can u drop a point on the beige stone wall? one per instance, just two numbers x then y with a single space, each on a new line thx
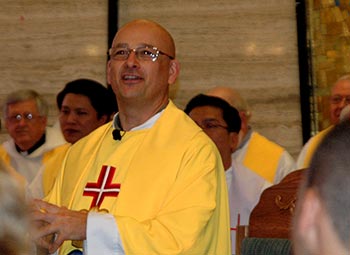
45 44
249 45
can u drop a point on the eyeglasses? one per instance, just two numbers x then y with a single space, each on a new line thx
337 99
28 117
210 125
146 53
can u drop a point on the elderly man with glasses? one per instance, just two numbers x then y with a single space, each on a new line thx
31 141
339 98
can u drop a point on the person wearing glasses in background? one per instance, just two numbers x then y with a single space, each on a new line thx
149 182
31 141
339 98
261 162
222 123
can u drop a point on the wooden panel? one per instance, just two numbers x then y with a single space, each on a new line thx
272 216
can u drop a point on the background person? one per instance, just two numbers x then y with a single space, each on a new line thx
260 163
322 221
151 181
31 141
221 122
84 105
339 98
255 152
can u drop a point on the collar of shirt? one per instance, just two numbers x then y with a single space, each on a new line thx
246 138
148 124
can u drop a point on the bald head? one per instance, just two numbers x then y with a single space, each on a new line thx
231 96
152 32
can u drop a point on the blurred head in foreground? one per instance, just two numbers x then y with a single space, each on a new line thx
322 220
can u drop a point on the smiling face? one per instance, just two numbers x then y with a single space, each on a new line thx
340 90
78 117
141 82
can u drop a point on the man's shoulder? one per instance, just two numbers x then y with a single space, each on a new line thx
3 152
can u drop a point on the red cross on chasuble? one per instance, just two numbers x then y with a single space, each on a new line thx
103 187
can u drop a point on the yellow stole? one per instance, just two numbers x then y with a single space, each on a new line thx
262 156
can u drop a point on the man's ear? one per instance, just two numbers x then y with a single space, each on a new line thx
108 71
174 70
309 215
234 139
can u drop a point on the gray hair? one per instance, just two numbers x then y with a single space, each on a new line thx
233 97
345 77
24 95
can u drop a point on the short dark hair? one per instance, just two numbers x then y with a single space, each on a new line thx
100 97
229 113
329 174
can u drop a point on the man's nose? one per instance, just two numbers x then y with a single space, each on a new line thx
71 117
132 60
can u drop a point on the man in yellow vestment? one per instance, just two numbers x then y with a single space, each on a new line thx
150 182
339 98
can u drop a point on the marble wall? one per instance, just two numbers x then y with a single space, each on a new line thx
45 44
249 45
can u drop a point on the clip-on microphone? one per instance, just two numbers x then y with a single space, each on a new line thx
117 134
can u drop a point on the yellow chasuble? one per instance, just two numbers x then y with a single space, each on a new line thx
262 156
4 156
167 188
6 162
52 164
313 144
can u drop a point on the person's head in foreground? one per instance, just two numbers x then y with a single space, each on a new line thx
13 216
322 220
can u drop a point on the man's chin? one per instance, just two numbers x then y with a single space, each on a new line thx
23 139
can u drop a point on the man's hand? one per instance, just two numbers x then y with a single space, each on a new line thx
53 225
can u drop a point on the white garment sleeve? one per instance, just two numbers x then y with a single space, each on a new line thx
102 235
286 165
